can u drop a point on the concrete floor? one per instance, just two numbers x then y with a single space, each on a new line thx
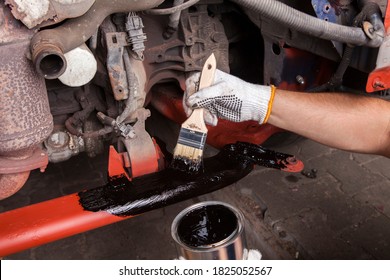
342 213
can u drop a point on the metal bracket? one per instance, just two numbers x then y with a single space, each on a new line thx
326 12
142 154
116 41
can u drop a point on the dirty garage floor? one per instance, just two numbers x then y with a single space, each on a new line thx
342 213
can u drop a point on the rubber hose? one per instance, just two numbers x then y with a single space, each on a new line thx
286 15
48 46
337 78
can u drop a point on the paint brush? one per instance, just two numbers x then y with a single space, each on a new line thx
188 153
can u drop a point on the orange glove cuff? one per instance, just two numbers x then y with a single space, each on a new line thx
270 103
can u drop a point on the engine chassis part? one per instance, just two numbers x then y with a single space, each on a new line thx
121 198
37 160
379 79
50 45
283 14
25 113
49 11
187 49
116 41
142 155
26 119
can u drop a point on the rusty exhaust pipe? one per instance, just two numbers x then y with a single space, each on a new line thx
25 119
48 46
49 61
210 230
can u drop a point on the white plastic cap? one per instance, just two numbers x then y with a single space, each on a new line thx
81 67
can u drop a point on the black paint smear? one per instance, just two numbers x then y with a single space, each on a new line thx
124 198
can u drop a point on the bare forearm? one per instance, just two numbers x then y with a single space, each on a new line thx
348 122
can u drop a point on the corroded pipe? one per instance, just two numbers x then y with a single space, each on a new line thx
25 119
12 183
48 46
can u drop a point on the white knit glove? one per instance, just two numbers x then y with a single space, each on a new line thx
229 98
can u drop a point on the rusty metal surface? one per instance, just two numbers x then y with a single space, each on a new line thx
76 31
11 183
116 42
38 159
141 149
25 113
25 119
49 11
15 169
186 50
11 30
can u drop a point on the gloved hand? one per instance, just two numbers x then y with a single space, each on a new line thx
229 98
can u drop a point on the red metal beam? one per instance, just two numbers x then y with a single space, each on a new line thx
44 222
41 223
51 220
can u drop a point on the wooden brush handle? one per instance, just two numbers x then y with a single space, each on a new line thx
208 72
196 120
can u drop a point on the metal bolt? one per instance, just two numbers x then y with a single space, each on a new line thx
300 80
58 139
189 41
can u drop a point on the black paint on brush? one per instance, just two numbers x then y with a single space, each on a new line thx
186 164
125 198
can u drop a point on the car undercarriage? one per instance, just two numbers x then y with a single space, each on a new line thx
85 76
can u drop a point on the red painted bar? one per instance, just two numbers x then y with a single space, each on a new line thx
47 221
44 222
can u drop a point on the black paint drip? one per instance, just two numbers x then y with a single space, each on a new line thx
123 197
206 226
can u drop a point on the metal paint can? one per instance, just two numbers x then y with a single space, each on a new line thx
210 230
